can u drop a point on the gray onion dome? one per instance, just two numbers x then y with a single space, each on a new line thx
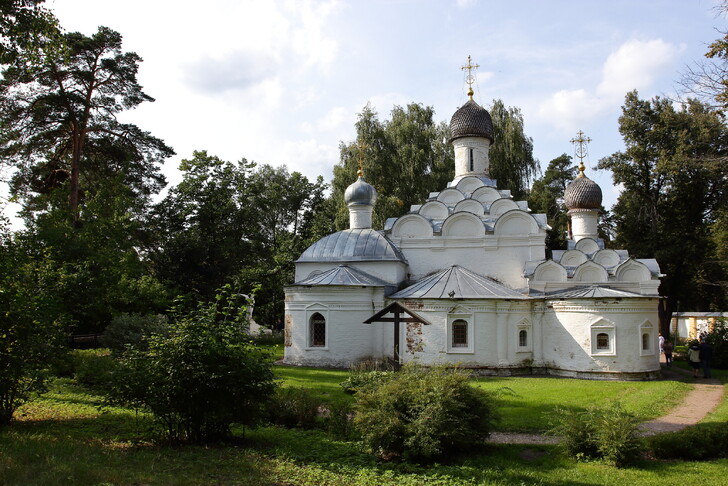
471 120
360 193
583 193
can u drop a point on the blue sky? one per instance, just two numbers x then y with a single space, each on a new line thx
281 82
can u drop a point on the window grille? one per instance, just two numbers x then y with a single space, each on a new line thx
523 338
459 334
318 330
602 341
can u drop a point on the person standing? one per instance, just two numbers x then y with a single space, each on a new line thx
662 342
694 358
706 355
667 348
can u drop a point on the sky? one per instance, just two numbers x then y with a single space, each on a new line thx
282 82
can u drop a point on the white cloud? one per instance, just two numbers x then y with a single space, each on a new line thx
570 109
636 65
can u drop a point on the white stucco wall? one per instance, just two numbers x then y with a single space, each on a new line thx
569 331
348 339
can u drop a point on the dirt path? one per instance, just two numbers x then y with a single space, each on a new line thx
705 396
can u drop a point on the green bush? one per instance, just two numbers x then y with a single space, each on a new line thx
339 421
698 443
607 433
201 378
293 407
133 330
718 340
31 322
93 367
422 413
577 432
358 380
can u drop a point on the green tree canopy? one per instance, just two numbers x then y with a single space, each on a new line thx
675 176
60 127
236 223
404 158
511 155
547 196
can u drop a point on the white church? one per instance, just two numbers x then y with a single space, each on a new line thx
463 279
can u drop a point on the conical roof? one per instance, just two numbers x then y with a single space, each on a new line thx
471 120
456 282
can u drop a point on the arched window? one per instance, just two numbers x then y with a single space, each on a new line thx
460 333
602 341
522 338
646 341
317 331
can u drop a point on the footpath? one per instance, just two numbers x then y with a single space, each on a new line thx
705 396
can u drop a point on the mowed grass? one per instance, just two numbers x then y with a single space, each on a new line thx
68 437
524 404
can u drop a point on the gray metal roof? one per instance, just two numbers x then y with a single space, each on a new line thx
457 282
592 292
344 275
352 245
583 193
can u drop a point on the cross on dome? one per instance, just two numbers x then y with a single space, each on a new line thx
470 78
580 149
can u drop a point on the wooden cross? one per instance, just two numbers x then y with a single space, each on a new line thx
400 314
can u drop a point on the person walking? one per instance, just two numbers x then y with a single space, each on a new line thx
694 358
706 355
667 348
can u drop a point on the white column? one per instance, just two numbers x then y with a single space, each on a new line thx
471 157
360 216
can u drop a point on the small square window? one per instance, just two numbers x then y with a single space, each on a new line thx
603 341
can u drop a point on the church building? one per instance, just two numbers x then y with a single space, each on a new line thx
463 279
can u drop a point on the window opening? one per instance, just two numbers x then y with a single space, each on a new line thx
645 342
318 330
459 333
472 163
523 338
603 341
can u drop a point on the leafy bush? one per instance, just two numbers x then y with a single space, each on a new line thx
293 407
268 339
340 420
577 432
698 443
422 413
365 373
133 330
718 340
31 323
93 367
608 433
202 377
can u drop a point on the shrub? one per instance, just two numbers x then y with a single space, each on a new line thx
422 413
133 330
293 407
577 432
340 420
202 377
608 433
698 443
31 323
718 340
93 367
365 373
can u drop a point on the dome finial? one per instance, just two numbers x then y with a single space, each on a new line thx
580 149
470 78
362 147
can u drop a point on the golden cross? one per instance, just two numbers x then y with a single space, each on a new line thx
580 149
470 78
362 147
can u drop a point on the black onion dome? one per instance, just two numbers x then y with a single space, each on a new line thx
471 120
583 193
360 193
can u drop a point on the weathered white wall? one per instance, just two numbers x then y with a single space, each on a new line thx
345 309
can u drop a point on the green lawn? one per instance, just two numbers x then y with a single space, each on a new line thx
65 437
524 403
